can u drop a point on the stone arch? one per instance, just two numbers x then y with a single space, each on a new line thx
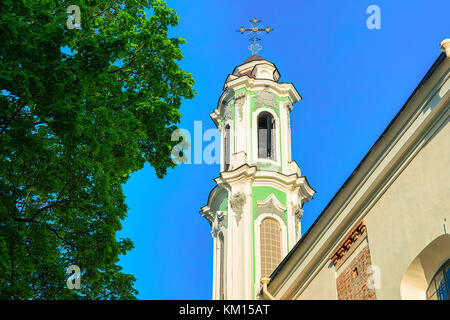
421 270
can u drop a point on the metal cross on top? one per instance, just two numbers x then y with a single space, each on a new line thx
254 30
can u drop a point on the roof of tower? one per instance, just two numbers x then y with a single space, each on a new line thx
255 67
253 58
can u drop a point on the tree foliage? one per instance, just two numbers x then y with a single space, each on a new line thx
80 109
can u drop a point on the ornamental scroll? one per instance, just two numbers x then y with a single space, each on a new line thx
271 206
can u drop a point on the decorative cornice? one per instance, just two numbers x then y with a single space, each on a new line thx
207 214
286 183
281 88
240 174
271 205
338 256
245 173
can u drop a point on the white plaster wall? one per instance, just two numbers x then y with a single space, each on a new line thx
411 213
405 220
322 286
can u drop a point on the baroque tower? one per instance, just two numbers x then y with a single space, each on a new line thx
256 206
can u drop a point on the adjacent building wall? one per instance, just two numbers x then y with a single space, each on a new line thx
398 202
411 213
322 286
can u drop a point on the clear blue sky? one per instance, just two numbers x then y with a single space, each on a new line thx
353 81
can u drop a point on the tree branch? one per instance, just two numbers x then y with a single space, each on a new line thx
103 11
6 125
131 61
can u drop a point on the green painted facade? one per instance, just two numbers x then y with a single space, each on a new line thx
224 205
253 100
259 193
224 208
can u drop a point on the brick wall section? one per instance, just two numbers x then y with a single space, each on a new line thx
352 283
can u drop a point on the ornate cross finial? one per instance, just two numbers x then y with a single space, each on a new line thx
254 30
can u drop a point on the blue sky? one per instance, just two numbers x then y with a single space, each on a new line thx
353 81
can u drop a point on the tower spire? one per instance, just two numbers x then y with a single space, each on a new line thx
255 30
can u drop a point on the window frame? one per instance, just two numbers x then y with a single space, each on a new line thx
277 138
445 280
270 137
227 147
257 245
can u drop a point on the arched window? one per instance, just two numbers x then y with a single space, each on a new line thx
227 147
270 242
439 288
417 282
266 136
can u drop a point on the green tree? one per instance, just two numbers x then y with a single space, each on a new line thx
80 109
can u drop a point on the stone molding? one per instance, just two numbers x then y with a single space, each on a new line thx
347 246
271 205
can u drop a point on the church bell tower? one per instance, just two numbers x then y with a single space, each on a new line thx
256 206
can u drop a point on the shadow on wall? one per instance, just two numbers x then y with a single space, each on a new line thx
420 272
